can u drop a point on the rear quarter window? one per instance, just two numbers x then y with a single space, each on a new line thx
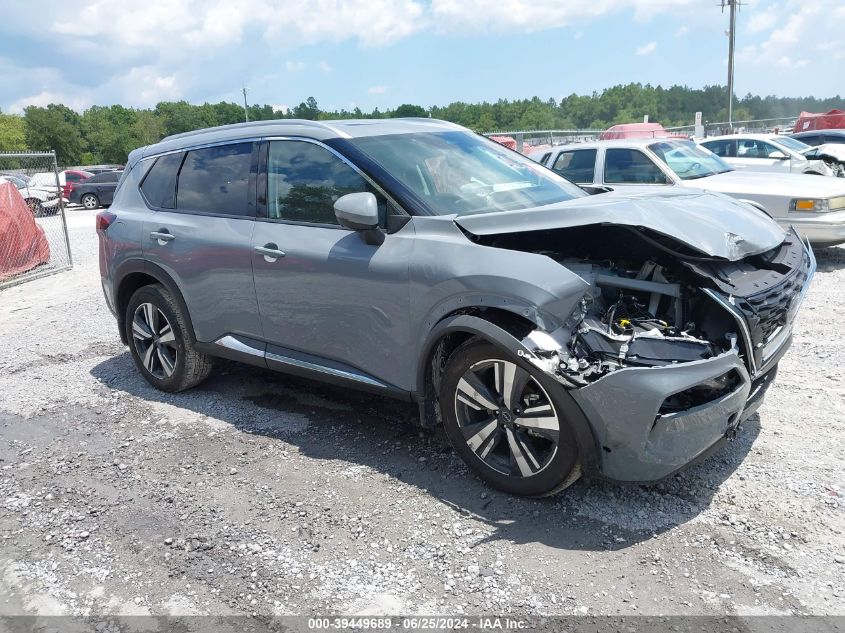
159 185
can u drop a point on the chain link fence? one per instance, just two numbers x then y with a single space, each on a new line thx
33 232
527 141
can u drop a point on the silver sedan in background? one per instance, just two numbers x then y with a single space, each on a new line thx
815 206
774 153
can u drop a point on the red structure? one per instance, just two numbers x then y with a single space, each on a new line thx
835 119
23 245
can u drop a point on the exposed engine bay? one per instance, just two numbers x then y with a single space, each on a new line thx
647 305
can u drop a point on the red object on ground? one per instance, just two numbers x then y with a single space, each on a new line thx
835 119
23 245
637 130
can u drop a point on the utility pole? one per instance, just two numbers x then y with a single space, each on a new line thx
246 112
734 6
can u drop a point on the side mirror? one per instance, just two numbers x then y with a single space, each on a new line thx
778 156
357 211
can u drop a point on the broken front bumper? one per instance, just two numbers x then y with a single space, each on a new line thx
640 439
640 443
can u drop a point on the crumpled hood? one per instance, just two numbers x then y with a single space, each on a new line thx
713 224
835 151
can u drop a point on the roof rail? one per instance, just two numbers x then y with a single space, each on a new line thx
246 124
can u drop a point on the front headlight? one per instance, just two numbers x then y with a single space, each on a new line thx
809 204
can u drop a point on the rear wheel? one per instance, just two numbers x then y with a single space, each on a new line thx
160 341
508 421
90 201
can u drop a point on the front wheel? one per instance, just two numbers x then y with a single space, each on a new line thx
508 421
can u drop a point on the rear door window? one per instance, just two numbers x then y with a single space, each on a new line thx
577 166
631 166
216 180
159 185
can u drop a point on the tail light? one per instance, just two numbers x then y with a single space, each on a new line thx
105 219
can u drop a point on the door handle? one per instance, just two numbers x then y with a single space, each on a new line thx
163 236
270 251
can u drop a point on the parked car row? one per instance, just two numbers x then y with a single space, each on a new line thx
814 205
91 190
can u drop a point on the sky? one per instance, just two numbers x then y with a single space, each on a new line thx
382 53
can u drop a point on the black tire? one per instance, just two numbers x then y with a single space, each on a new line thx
562 466
190 367
93 201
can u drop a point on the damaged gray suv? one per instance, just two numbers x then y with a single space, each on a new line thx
551 333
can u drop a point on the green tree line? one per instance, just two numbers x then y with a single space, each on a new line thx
106 134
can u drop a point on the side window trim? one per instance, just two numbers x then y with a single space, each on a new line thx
184 151
261 207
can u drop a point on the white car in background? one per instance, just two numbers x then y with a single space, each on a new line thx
815 206
770 152
40 200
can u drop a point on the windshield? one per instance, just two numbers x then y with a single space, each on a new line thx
462 173
793 144
688 160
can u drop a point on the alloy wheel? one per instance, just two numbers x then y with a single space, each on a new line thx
154 340
506 417
89 201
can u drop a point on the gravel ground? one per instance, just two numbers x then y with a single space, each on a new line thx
261 493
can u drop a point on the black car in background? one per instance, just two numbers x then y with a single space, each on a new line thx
97 191
820 137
